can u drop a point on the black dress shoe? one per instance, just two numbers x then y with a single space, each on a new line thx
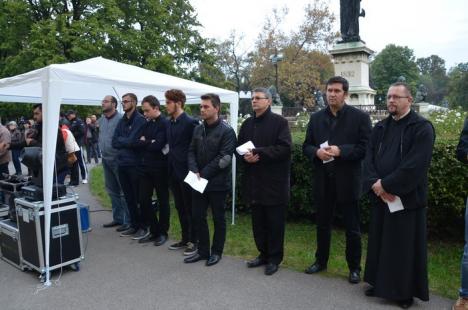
405 304
213 260
314 268
370 292
271 269
256 262
194 258
160 240
354 276
111 224
149 238
124 227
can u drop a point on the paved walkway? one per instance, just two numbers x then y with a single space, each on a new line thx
119 273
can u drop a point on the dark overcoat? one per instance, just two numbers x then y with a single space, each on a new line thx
351 134
267 181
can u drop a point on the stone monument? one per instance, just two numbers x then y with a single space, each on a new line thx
351 55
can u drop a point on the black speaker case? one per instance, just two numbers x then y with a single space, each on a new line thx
10 244
66 244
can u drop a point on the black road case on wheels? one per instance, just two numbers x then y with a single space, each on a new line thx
66 246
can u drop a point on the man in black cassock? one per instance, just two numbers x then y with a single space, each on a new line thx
396 166
345 130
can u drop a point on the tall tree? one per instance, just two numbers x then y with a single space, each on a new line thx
390 64
305 66
458 86
433 75
159 35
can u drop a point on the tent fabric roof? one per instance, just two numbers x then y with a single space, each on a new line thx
87 82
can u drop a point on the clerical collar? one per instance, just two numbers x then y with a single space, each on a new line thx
399 118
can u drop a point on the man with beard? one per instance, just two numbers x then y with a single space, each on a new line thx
179 135
107 124
125 140
395 169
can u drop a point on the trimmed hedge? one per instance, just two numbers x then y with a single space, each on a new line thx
448 184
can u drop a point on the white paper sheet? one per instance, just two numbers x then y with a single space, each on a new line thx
165 149
245 148
197 184
322 146
395 205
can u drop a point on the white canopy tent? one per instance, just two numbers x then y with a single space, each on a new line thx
87 83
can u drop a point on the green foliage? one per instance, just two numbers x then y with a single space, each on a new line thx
391 63
434 76
458 86
157 35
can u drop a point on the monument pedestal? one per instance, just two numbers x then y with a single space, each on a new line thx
351 61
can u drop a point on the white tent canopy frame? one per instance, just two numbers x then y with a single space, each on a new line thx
87 83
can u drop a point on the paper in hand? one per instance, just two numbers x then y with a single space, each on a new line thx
395 205
198 184
245 148
325 145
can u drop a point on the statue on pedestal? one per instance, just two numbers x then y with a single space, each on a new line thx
350 10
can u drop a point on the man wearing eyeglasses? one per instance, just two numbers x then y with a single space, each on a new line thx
266 178
107 124
336 142
125 140
395 169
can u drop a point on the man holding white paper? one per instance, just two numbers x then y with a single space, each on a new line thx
336 142
209 158
266 178
396 167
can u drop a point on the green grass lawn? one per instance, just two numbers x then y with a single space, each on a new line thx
444 257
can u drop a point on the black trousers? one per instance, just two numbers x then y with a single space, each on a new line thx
76 168
268 224
130 180
200 204
182 194
150 180
325 211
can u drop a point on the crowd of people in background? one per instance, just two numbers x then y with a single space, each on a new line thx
75 136
146 152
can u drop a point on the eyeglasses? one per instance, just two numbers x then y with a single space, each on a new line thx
126 101
258 98
396 97
105 101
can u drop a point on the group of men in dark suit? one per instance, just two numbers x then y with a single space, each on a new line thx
158 153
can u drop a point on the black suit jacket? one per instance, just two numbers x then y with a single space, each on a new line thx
179 136
351 134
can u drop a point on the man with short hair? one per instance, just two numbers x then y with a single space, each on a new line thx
266 178
395 169
77 127
209 157
153 172
16 145
336 142
34 138
179 135
107 124
125 139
